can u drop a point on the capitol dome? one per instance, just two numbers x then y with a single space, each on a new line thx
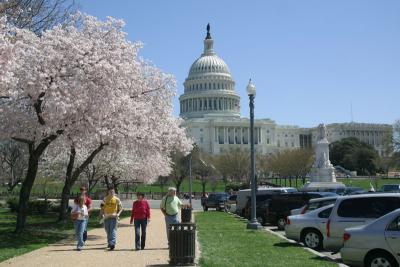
208 63
209 87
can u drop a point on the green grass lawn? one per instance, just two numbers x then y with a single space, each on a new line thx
41 230
225 241
365 182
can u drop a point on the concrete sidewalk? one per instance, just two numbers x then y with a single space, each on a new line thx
95 253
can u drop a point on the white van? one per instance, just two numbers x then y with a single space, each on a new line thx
356 210
244 194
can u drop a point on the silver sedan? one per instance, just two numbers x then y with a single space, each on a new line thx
376 244
308 228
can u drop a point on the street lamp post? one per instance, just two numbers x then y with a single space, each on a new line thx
253 224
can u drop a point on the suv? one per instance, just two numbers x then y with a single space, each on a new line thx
262 202
356 210
243 196
216 200
279 206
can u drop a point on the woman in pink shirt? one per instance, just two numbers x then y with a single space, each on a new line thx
141 216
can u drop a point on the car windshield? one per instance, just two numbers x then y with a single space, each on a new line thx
218 196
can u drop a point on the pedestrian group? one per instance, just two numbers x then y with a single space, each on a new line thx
110 211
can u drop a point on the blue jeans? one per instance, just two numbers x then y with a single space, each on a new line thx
80 226
170 219
110 225
140 242
85 231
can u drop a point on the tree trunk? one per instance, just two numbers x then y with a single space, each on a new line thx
178 183
27 184
72 176
67 186
26 192
203 185
107 182
65 195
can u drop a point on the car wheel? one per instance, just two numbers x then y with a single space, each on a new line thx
312 238
281 223
381 259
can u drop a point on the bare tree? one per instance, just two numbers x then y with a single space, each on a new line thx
180 169
37 15
13 163
291 164
234 165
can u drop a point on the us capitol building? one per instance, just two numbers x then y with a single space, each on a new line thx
210 108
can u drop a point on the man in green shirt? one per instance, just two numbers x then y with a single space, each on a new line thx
170 205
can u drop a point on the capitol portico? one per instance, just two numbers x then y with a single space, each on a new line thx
210 108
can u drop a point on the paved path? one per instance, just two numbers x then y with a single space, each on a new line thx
95 253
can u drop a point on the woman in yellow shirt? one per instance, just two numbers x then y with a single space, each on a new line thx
111 209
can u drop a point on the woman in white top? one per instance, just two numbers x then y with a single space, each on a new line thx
79 214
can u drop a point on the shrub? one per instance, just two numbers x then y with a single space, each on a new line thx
12 204
236 186
34 206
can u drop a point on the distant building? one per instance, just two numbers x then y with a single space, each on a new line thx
210 107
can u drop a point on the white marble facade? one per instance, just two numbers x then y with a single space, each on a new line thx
210 107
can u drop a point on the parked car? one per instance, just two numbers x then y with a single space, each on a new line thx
309 228
356 210
392 188
245 193
374 244
316 203
279 206
215 200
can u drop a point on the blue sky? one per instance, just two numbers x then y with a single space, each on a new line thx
310 60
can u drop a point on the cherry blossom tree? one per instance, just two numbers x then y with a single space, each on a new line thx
85 82
37 15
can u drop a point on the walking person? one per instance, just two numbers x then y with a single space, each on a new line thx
79 214
111 211
170 205
88 203
141 217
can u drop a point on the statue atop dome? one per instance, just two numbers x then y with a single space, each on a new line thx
208 31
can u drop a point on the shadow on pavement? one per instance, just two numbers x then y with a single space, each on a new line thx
286 244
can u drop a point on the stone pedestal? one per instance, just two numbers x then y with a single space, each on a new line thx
323 174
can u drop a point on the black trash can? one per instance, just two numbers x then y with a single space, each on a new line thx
186 215
182 243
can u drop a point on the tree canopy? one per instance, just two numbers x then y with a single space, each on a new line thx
354 155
